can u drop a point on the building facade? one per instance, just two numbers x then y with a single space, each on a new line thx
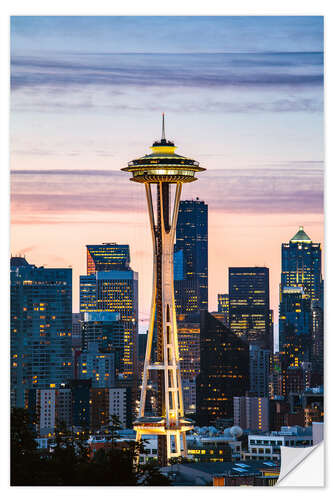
189 353
116 292
301 265
295 325
259 371
224 371
251 413
41 328
191 262
249 313
107 257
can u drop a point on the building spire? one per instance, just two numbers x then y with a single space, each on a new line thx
163 128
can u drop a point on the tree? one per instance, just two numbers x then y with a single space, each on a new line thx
24 457
114 425
151 475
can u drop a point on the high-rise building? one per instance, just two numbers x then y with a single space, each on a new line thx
249 304
107 257
98 366
251 413
114 292
259 371
301 303
295 325
317 353
223 303
107 331
191 250
77 319
224 371
189 355
41 326
120 404
301 265
49 409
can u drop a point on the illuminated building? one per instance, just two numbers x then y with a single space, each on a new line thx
77 319
120 404
224 371
317 354
107 331
49 408
267 446
301 265
113 292
191 290
217 451
41 324
251 413
249 304
107 257
98 366
189 355
166 170
295 325
223 303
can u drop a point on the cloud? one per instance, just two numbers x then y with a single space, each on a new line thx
150 70
287 188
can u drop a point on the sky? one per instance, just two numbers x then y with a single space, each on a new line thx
242 95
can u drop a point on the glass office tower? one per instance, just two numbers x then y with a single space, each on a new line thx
249 315
301 265
191 292
116 291
41 323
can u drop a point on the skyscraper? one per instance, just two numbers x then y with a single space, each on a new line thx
189 354
98 366
295 325
224 371
191 292
116 292
249 315
301 302
41 324
301 265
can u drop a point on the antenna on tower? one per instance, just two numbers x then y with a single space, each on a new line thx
163 128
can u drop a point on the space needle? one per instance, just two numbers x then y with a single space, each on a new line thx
163 172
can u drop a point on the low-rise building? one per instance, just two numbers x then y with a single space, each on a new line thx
267 446
223 474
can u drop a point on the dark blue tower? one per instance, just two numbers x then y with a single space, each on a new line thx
191 292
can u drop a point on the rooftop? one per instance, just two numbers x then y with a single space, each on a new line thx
301 237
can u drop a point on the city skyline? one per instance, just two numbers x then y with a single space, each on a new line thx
223 278
87 117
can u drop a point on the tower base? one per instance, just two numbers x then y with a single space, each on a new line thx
174 434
